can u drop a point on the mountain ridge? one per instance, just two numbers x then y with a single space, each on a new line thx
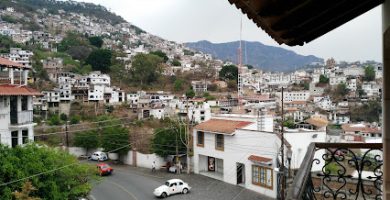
258 54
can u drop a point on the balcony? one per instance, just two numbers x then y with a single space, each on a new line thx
348 171
22 117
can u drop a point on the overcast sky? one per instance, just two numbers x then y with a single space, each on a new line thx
218 21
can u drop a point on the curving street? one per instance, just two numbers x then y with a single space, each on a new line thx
138 184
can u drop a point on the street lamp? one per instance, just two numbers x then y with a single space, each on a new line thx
289 155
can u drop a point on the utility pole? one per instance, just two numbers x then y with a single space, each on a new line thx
67 136
187 131
282 178
177 153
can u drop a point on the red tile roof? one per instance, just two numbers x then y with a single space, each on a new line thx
221 126
259 159
8 63
317 121
364 128
9 90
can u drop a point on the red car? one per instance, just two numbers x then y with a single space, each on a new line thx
104 169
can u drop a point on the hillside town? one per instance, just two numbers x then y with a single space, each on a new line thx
240 124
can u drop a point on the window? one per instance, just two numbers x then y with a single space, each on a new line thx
219 142
14 136
25 136
262 176
24 102
200 139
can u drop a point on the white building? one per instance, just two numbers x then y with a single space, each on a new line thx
21 56
195 112
199 86
65 88
16 106
295 96
354 71
337 79
235 152
325 103
97 84
352 84
300 139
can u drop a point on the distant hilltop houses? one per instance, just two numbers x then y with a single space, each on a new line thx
236 114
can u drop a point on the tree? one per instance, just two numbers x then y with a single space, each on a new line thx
145 68
100 60
190 93
96 41
160 54
87 140
369 73
116 140
69 181
213 87
72 39
229 72
368 112
79 52
54 120
338 92
176 62
63 117
249 66
178 85
165 140
324 79
341 90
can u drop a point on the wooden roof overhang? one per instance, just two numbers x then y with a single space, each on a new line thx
296 22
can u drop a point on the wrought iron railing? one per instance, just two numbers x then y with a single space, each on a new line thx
339 171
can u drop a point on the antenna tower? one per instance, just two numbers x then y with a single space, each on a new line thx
239 87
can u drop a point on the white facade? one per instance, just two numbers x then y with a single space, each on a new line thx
196 113
16 109
295 96
325 103
354 71
21 56
352 84
233 160
337 79
300 141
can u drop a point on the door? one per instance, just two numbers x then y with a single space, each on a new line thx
173 188
240 173
180 187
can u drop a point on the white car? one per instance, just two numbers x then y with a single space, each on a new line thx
99 156
173 186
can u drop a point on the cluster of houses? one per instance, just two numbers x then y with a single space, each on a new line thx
236 140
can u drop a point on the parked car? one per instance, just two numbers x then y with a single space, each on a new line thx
104 169
99 156
174 168
173 186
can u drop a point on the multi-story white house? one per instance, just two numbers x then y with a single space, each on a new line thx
199 86
353 71
336 79
16 105
296 96
236 152
20 56
65 88
54 67
194 111
97 84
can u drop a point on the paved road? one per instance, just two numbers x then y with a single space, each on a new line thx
129 183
